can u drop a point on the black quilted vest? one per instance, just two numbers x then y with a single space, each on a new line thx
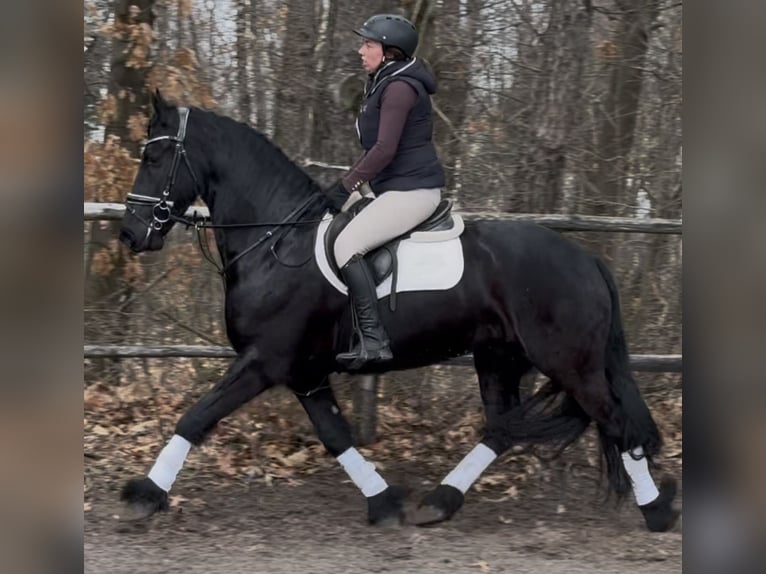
415 164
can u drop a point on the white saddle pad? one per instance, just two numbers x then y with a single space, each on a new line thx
423 265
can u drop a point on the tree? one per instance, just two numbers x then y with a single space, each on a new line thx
294 83
107 279
243 59
319 117
547 99
130 65
623 58
453 38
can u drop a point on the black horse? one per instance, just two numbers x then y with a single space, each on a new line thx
528 298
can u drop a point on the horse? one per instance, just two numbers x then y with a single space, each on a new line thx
527 298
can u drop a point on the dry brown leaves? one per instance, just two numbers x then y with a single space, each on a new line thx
180 80
126 425
108 171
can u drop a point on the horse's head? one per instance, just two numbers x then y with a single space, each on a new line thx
165 183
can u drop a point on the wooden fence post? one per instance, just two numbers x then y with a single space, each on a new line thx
365 409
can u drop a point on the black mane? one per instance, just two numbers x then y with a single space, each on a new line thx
253 144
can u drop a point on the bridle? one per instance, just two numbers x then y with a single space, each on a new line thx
161 205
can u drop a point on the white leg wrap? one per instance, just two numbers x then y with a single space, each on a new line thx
638 470
470 468
170 461
362 473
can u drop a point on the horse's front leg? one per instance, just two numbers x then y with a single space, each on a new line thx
384 502
244 379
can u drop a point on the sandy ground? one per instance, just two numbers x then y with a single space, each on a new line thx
318 526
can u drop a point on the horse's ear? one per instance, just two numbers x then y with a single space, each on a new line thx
158 103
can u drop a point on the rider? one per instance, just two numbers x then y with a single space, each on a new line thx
399 164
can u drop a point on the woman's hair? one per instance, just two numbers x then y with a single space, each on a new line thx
393 53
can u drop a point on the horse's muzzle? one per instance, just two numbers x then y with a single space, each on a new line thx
128 239
139 245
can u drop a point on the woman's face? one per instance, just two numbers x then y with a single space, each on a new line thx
372 55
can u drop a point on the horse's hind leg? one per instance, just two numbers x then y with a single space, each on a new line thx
384 502
628 436
241 383
500 367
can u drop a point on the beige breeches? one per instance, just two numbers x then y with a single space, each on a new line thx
388 216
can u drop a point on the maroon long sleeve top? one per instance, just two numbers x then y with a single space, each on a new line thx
397 100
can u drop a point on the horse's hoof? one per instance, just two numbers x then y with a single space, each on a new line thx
439 505
659 514
142 499
387 507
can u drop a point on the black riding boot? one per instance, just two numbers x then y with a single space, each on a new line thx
373 340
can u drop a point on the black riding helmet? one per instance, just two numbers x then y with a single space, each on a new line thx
392 31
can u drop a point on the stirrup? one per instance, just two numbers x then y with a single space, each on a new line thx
360 355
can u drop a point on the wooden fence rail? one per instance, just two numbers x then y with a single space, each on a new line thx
113 211
365 399
643 363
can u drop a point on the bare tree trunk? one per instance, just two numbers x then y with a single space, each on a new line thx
181 23
553 98
617 123
295 78
160 30
130 66
421 14
319 125
263 68
95 58
655 163
243 60
128 99
452 59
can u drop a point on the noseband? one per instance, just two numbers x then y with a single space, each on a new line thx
161 205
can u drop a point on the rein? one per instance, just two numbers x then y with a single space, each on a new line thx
288 222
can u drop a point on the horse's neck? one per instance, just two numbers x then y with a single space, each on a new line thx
252 182
236 209
249 181
260 196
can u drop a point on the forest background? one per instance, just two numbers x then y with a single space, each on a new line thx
544 106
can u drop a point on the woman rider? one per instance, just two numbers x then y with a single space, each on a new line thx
399 163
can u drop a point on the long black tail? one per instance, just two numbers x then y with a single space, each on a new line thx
550 416
637 426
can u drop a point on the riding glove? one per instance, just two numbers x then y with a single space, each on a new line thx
336 196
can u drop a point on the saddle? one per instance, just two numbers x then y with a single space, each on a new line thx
382 261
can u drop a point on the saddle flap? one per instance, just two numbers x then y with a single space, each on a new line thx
441 225
421 265
339 222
